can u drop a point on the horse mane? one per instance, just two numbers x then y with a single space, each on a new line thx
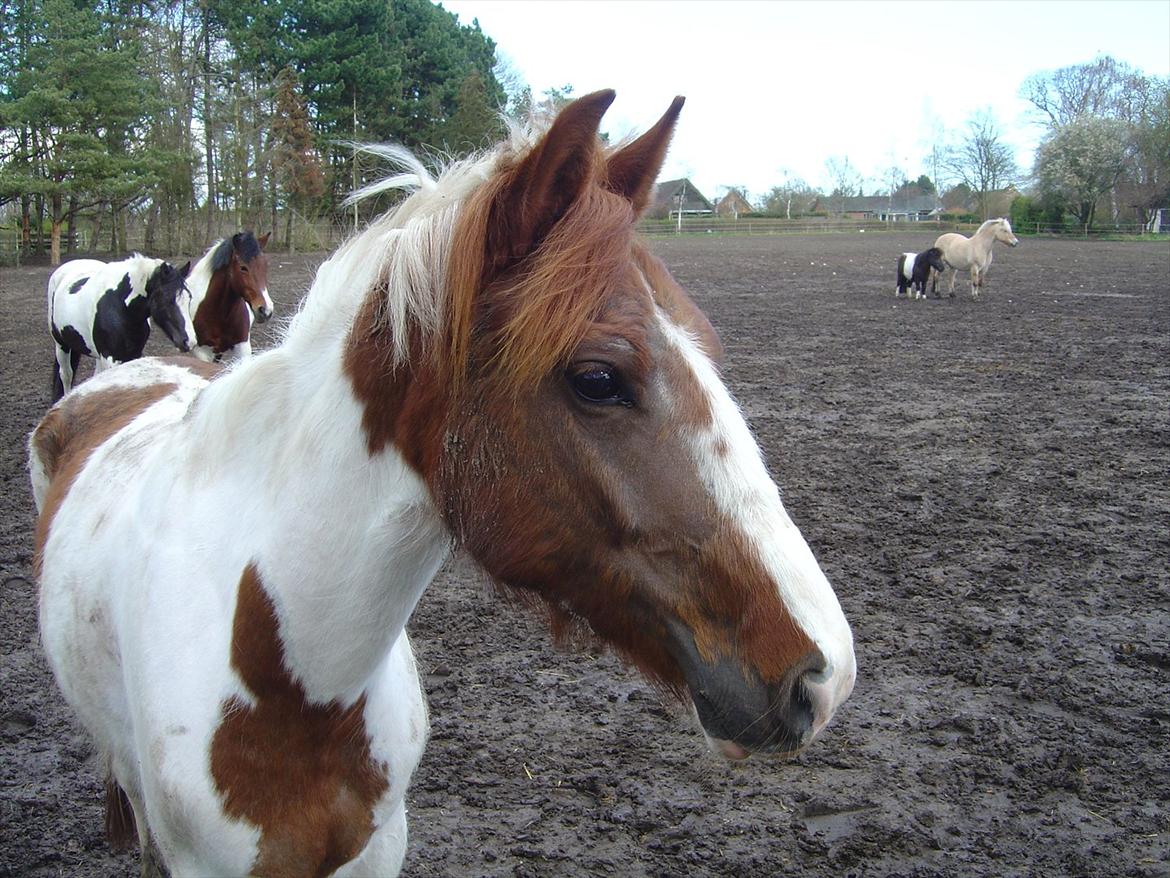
246 245
427 257
537 311
221 255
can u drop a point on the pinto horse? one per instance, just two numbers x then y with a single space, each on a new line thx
229 287
499 365
105 310
914 271
974 254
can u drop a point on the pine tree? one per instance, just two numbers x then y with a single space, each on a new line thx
295 161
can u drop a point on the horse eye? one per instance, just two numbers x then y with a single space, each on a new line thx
600 384
244 269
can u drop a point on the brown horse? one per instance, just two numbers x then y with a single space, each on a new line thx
498 365
229 287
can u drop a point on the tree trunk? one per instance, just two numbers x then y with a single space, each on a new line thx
25 223
55 235
288 231
208 128
40 236
71 228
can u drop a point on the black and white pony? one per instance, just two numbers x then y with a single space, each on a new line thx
104 310
914 272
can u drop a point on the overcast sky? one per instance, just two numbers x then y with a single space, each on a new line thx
775 88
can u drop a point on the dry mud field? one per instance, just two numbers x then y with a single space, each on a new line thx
987 485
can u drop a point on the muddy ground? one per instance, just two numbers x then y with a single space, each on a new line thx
987 485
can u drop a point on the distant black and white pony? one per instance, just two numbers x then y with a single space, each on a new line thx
104 310
914 272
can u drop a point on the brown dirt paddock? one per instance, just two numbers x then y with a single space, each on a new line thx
987 485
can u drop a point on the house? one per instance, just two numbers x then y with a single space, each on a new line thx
733 204
673 196
900 208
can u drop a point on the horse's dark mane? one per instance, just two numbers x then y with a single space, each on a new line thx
243 243
246 245
222 255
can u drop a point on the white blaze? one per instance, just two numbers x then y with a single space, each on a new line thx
731 467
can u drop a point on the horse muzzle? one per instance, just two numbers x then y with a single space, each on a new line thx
262 313
741 714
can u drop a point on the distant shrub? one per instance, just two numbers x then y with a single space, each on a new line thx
1031 214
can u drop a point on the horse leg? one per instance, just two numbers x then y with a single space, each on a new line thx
64 368
976 282
951 288
121 808
241 351
151 862
385 851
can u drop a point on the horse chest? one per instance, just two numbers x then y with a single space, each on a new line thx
221 322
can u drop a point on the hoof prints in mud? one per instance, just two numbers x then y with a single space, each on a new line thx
986 485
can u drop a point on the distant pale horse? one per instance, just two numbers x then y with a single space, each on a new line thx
972 254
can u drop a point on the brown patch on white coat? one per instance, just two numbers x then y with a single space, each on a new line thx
299 771
69 434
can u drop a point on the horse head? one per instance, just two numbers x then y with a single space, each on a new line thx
248 273
574 431
934 258
1003 232
165 289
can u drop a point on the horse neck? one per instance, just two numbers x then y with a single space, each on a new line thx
350 536
984 237
202 281
345 541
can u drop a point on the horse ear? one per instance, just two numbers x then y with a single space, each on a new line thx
263 240
185 270
546 183
632 170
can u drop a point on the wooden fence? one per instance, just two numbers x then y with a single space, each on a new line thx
747 225
324 235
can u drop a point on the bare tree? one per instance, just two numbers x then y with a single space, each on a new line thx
1104 88
793 197
844 177
981 160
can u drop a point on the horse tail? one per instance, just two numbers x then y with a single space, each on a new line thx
121 828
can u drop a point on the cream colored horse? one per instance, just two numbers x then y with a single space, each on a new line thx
962 253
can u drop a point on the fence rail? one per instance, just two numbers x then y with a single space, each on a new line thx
774 226
325 235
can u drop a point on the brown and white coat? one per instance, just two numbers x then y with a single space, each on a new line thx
499 365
